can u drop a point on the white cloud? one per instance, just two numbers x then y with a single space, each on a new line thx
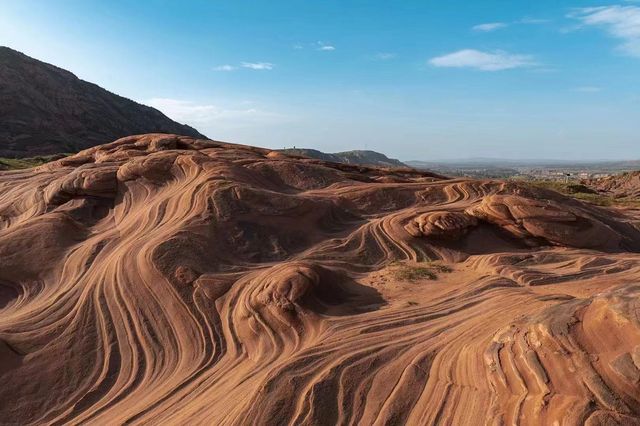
494 26
225 67
384 56
298 46
191 112
491 26
588 89
210 116
258 65
484 61
621 22
325 47
237 120
533 21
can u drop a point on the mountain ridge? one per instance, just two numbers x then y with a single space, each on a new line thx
361 157
47 110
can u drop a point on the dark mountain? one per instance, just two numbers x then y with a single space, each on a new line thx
46 110
369 158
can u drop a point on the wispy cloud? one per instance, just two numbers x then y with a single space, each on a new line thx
533 21
325 47
588 89
621 22
484 61
208 115
494 26
384 56
318 45
249 65
225 67
488 27
257 65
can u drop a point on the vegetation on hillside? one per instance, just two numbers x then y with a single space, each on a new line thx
584 193
27 163
369 158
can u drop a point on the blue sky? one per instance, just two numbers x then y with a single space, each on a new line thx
413 79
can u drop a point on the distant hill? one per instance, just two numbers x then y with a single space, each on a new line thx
620 186
369 158
47 110
619 165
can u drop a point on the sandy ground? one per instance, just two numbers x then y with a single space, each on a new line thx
167 280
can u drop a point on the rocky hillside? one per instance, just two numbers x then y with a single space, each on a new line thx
47 110
620 186
368 158
163 279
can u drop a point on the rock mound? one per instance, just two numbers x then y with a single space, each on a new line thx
165 279
624 185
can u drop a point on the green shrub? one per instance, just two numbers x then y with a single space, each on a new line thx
430 271
27 163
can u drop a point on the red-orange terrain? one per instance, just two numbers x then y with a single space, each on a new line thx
168 280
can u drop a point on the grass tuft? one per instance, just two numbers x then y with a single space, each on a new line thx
430 271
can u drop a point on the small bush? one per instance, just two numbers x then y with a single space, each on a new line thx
429 271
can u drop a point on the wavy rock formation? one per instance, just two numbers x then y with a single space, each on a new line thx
162 279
